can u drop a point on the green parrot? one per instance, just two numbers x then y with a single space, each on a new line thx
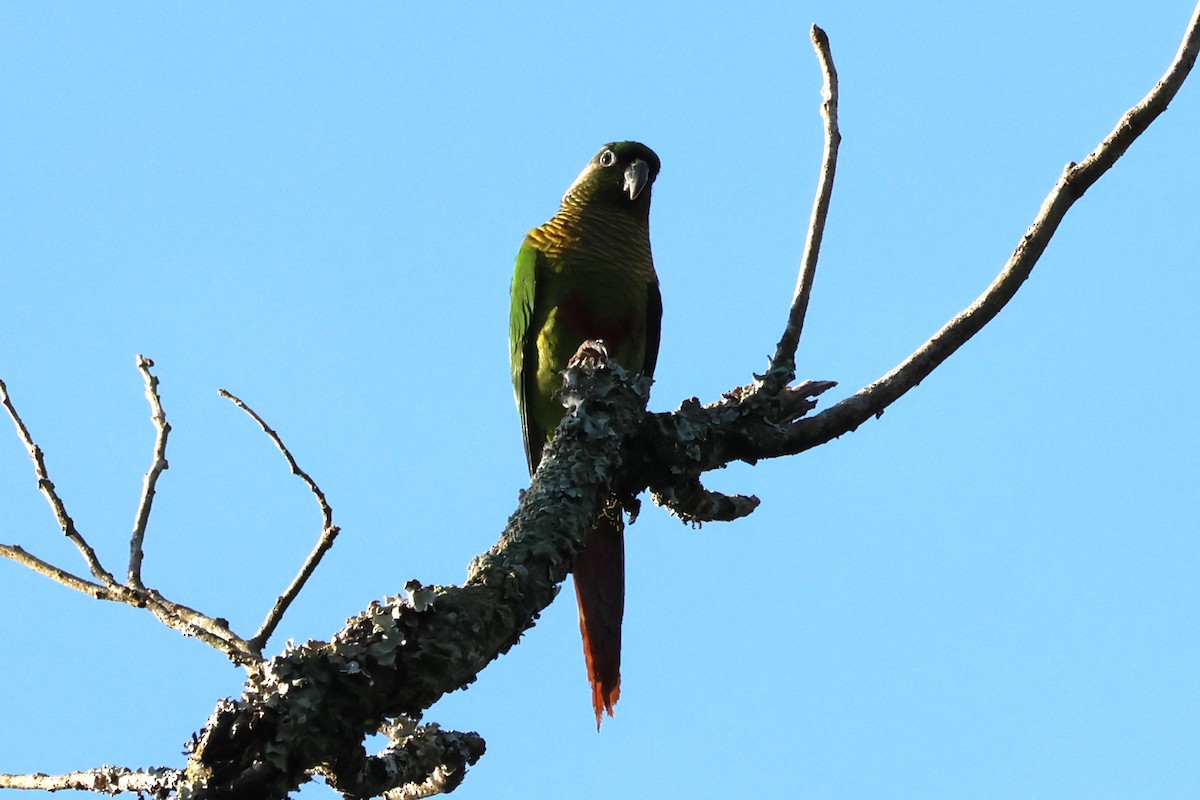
588 274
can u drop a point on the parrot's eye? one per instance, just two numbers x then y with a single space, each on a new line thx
608 158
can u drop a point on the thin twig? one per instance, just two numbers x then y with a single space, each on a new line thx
46 487
157 466
329 531
782 369
328 534
22 556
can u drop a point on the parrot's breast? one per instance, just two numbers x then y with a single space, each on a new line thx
598 274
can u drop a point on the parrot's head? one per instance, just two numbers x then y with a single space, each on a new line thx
620 176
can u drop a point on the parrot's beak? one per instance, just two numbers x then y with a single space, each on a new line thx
637 175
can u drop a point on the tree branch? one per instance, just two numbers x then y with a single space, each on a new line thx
71 581
420 762
398 657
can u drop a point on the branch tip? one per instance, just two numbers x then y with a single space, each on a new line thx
158 465
782 369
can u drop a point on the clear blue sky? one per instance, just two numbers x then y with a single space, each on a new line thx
991 592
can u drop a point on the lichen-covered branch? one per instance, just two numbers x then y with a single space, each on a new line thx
312 706
675 449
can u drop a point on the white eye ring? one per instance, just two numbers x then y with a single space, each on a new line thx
608 158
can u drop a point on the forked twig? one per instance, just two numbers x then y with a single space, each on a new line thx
212 631
1076 179
329 531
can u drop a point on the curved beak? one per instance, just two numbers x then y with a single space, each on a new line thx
637 176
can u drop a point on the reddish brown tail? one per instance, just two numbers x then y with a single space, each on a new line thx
600 589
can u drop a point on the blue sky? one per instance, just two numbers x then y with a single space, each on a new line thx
990 592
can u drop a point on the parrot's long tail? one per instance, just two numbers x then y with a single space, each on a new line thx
600 589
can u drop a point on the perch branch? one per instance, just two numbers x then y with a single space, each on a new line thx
162 429
317 701
329 531
782 369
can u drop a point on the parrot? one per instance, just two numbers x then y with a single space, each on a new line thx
585 274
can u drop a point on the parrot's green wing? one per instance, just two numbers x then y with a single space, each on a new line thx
522 344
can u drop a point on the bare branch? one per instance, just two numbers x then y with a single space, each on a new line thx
156 781
328 534
782 370
329 531
1075 180
46 487
157 466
